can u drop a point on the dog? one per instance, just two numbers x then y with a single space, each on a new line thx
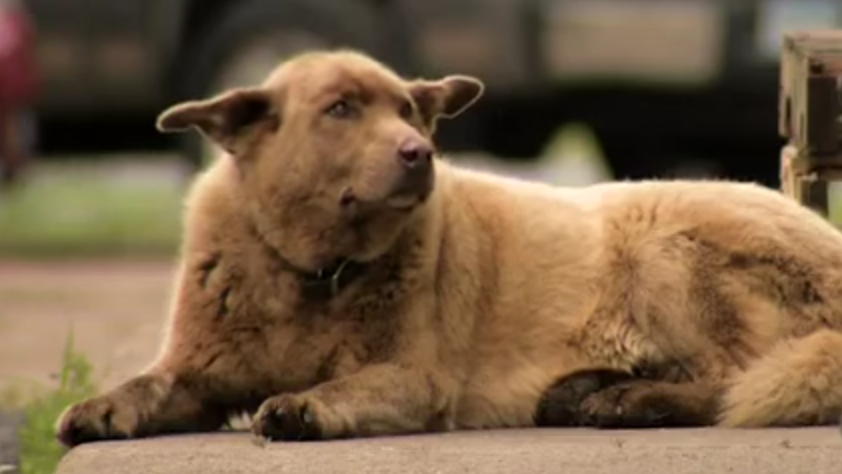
338 278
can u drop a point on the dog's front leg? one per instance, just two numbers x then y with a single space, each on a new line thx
153 403
174 394
381 399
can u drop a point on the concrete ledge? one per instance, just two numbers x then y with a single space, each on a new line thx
9 443
708 451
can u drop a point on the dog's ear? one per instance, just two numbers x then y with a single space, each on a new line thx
224 119
447 97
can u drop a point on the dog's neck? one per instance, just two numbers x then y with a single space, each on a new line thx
322 284
327 282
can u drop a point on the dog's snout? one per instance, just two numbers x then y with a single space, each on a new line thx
415 178
415 153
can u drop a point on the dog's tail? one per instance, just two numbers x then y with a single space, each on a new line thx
798 383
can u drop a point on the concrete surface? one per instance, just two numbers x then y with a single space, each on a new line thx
9 446
116 309
708 451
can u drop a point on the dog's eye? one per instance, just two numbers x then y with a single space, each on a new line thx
406 110
340 109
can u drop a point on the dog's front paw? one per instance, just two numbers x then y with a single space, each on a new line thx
627 405
100 418
289 418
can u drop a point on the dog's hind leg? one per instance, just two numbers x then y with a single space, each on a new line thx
798 383
615 399
559 404
644 403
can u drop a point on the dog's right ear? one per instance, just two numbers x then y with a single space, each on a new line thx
225 119
447 97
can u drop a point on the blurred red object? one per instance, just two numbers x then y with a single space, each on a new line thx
18 82
18 87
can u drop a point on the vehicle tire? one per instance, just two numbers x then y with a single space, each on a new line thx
248 39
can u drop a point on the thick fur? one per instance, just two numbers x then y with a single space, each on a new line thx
715 302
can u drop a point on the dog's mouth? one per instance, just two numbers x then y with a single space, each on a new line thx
395 201
411 190
406 194
404 201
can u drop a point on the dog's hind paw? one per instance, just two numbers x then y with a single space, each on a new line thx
560 403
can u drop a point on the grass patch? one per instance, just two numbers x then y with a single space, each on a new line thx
82 209
40 451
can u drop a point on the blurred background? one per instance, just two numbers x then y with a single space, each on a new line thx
579 91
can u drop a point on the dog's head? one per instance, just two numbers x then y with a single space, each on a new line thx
334 150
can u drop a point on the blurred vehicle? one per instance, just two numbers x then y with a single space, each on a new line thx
671 87
17 90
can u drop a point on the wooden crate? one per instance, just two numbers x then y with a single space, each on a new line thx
809 115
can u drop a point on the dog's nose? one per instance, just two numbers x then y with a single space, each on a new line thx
415 154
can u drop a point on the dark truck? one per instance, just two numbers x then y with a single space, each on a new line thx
670 87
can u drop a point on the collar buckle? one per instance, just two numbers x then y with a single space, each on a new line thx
335 277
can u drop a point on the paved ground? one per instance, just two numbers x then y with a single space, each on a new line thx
9 442
809 451
116 309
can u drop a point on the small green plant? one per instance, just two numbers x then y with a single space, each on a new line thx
40 451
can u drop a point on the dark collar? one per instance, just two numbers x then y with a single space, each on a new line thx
327 282
323 284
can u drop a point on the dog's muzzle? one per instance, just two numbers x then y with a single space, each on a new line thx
415 158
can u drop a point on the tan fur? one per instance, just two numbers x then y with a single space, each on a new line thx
477 297
799 382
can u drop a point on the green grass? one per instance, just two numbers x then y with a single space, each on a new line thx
78 210
40 451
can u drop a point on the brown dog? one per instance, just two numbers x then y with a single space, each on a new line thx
339 280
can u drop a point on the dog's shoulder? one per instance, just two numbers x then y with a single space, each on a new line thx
214 214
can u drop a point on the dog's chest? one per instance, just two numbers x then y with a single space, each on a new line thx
270 336
303 342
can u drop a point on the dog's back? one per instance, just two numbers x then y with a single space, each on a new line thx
721 280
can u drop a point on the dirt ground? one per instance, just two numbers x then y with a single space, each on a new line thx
116 309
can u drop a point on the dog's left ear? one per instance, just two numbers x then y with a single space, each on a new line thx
225 119
447 97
